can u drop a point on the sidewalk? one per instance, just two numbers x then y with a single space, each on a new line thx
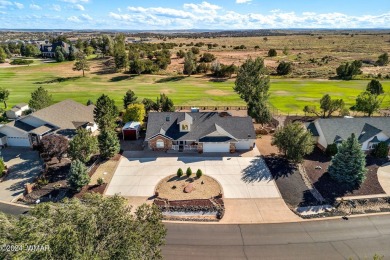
384 178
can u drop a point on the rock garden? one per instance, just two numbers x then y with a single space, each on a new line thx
189 196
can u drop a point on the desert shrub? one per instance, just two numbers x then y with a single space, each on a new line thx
272 53
189 172
331 150
100 181
381 150
21 62
284 68
199 173
179 172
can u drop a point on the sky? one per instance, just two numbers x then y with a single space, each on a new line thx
191 14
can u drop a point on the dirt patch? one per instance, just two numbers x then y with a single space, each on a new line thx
264 145
105 170
281 93
329 188
217 92
91 189
172 188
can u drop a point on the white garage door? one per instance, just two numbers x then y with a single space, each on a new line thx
244 145
18 141
216 147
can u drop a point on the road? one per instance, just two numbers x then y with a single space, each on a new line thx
356 238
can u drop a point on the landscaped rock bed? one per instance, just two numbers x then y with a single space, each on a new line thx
211 209
345 208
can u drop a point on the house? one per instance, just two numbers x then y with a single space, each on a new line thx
130 131
48 50
199 131
62 118
17 110
369 130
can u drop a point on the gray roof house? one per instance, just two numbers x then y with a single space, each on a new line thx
201 131
369 130
61 118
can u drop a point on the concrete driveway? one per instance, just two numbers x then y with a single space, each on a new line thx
24 165
240 177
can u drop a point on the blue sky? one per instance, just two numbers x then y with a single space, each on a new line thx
191 14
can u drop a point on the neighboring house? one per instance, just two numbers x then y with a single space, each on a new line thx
62 118
199 131
130 131
369 130
49 50
17 110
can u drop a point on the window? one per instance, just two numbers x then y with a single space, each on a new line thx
160 143
372 145
184 127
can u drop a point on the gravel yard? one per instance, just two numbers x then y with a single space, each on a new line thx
209 188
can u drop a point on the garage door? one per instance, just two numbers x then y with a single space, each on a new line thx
216 147
244 145
18 141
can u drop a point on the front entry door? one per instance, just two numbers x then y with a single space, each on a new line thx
181 146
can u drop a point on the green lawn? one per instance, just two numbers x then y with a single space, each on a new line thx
289 96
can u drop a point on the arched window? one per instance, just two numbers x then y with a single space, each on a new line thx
160 143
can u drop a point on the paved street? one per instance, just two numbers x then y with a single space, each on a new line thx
24 165
240 177
358 238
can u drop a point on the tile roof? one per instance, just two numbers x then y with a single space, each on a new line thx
204 125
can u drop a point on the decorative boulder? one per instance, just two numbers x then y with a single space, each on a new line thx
189 188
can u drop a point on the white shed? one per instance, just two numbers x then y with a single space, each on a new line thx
130 130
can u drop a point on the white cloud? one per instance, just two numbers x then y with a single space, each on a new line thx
86 17
243 1
19 5
56 8
79 7
74 19
35 7
75 1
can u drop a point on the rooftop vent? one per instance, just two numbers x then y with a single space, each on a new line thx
194 109
168 118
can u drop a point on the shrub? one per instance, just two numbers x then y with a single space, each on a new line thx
78 175
331 150
272 53
174 187
284 68
100 181
199 173
179 172
2 167
21 62
189 172
381 150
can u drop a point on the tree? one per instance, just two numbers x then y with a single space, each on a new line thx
188 172
96 227
72 54
78 175
348 165
329 106
4 95
89 102
83 146
284 68
3 55
207 57
105 113
129 98
120 55
150 105
81 63
375 87
106 45
134 112
331 150
59 54
348 70
54 146
381 150
40 98
165 104
368 103
259 110
294 141
89 50
109 144
272 53
189 64
383 59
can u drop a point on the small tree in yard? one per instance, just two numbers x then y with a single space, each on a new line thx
134 112
78 175
4 95
348 165
381 150
40 98
179 172
294 141
189 172
105 113
129 98
375 87
83 146
2 167
81 63
54 146
331 150
109 144
368 103
199 173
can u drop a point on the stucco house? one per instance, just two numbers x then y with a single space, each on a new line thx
199 131
17 111
369 130
62 118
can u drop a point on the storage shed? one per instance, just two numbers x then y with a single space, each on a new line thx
130 130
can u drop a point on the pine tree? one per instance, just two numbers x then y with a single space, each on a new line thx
78 175
108 144
105 113
40 98
348 165
129 98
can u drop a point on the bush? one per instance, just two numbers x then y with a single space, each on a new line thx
272 53
100 181
2 167
284 68
381 150
179 172
189 172
331 150
21 62
199 173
